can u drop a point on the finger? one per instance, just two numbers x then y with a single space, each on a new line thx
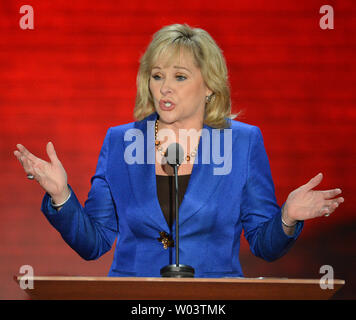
26 153
18 156
330 206
24 162
38 174
333 204
329 194
327 210
313 182
20 159
51 152
27 165
339 200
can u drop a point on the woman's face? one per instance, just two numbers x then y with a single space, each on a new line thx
178 90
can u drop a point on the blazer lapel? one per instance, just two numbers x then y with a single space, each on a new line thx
143 177
203 182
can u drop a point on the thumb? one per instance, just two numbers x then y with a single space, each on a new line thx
51 152
313 182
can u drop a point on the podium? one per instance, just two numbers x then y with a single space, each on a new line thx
130 288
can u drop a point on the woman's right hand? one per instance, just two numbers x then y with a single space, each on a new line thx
50 175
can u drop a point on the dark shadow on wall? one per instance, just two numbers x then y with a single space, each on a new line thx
334 247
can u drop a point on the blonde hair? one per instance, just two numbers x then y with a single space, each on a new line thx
209 59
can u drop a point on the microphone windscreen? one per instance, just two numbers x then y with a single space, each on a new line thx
174 154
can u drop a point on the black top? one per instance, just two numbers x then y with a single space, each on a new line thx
166 195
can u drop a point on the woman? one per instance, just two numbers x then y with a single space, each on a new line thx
182 92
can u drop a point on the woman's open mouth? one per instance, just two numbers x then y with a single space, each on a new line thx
166 105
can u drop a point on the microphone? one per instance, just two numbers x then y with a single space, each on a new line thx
175 156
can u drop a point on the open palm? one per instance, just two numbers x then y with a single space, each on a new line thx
50 175
305 203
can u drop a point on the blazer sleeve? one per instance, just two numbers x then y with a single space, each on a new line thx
261 215
92 229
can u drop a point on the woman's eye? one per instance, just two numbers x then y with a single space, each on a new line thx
181 78
178 77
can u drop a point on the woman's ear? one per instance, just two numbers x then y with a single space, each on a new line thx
208 92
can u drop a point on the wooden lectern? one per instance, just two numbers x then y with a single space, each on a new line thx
114 288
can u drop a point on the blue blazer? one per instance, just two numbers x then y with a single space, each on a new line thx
122 203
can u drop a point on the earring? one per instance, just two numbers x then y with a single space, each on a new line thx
208 98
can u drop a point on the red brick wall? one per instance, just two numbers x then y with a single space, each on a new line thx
74 75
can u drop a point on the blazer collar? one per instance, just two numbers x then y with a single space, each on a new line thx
202 182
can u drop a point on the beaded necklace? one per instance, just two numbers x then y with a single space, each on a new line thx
160 148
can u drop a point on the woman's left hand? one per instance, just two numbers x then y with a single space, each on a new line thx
305 203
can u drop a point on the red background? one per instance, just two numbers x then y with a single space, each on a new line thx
74 76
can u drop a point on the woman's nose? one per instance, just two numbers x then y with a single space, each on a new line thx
166 88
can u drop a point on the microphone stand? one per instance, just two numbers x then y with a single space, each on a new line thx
177 270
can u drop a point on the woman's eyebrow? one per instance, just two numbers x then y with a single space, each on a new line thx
179 67
176 67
